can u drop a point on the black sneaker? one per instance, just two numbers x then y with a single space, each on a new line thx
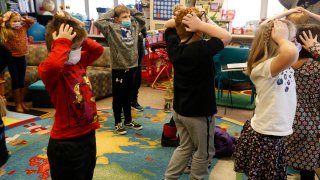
167 107
119 129
136 106
134 125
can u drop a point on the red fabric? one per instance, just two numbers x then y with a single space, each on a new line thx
70 89
169 131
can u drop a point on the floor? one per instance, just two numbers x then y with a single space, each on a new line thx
155 98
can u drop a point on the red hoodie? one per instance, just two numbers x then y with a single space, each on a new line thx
70 89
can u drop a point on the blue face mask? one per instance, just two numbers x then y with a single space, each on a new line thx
126 23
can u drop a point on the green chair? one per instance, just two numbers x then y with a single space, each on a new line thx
226 56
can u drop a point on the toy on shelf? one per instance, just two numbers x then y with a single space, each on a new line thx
47 8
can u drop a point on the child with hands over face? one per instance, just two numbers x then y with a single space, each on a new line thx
65 79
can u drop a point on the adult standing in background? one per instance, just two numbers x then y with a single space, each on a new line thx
310 5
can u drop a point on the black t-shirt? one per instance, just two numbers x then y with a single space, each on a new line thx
194 91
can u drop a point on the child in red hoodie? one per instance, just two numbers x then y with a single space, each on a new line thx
72 144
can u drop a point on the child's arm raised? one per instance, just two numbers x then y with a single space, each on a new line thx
93 51
195 24
281 15
28 21
311 14
59 53
139 17
170 23
105 22
288 52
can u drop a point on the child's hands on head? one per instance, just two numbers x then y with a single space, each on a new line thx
280 31
295 10
192 22
65 31
308 40
60 13
6 16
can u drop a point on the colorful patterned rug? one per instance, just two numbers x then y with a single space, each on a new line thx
137 155
31 111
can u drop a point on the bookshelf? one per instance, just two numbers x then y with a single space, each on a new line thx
226 24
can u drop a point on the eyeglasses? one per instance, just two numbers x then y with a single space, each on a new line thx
203 16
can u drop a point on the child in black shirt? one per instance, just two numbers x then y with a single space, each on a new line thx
194 94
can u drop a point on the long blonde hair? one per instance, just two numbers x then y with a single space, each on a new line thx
263 46
6 32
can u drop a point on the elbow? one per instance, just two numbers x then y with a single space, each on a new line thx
227 39
100 50
294 54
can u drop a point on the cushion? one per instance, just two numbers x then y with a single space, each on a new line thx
37 54
38 85
104 59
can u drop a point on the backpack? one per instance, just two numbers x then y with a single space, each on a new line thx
223 143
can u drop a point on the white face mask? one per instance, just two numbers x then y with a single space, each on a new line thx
16 25
74 57
299 46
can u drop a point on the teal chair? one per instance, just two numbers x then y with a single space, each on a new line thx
227 56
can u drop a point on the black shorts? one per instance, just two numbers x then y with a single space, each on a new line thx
73 158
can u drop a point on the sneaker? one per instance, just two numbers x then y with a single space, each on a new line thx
133 125
167 107
136 106
122 116
119 129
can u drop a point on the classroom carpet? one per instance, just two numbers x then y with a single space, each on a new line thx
240 99
137 155
31 111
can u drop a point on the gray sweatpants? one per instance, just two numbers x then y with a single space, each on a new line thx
196 135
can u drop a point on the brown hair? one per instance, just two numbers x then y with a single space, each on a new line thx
55 23
298 17
180 27
177 7
120 9
6 32
314 29
263 46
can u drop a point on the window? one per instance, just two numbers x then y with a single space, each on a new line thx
76 6
93 5
127 2
274 8
243 12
